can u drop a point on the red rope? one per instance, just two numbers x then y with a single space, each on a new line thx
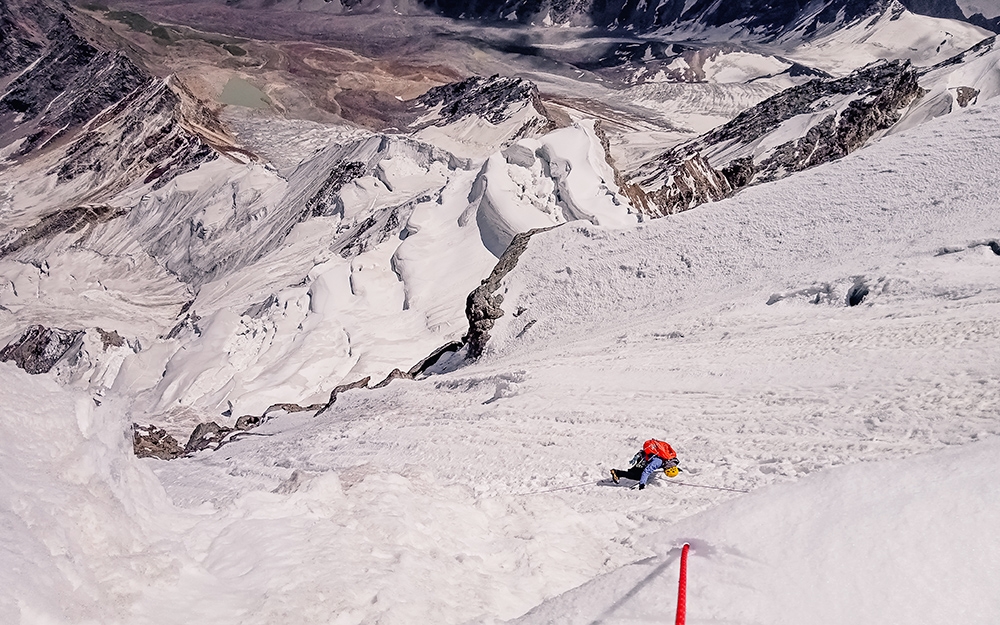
682 587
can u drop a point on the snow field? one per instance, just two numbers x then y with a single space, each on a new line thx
898 541
923 40
482 493
753 396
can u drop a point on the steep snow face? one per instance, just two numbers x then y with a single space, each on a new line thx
728 331
564 176
967 79
850 545
891 35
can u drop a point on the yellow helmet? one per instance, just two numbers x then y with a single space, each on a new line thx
671 471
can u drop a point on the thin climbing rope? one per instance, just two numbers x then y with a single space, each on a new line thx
552 490
732 490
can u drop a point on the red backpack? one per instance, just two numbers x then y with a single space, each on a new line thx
653 447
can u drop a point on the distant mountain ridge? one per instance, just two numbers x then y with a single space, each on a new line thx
765 18
760 18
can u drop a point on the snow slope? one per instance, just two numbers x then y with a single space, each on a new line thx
893 34
481 493
897 541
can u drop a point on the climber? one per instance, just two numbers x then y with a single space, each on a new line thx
653 456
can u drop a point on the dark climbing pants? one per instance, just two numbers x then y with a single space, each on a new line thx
632 474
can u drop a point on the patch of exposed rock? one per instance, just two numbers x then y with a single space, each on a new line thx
395 374
38 349
249 422
362 383
206 436
66 221
964 96
691 182
110 339
435 356
149 441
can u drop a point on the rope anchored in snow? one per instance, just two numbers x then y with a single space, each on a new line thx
732 490
552 490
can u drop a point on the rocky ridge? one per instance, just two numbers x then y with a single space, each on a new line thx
67 82
842 115
489 98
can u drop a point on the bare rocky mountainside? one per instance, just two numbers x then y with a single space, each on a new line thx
228 212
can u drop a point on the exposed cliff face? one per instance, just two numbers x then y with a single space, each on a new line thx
799 128
688 183
17 46
143 137
38 349
881 89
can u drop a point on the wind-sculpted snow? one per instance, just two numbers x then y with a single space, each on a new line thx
373 298
562 177
328 275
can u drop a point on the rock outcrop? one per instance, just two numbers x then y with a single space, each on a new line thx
206 436
38 349
482 307
362 383
486 98
395 374
691 182
64 64
67 221
149 441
